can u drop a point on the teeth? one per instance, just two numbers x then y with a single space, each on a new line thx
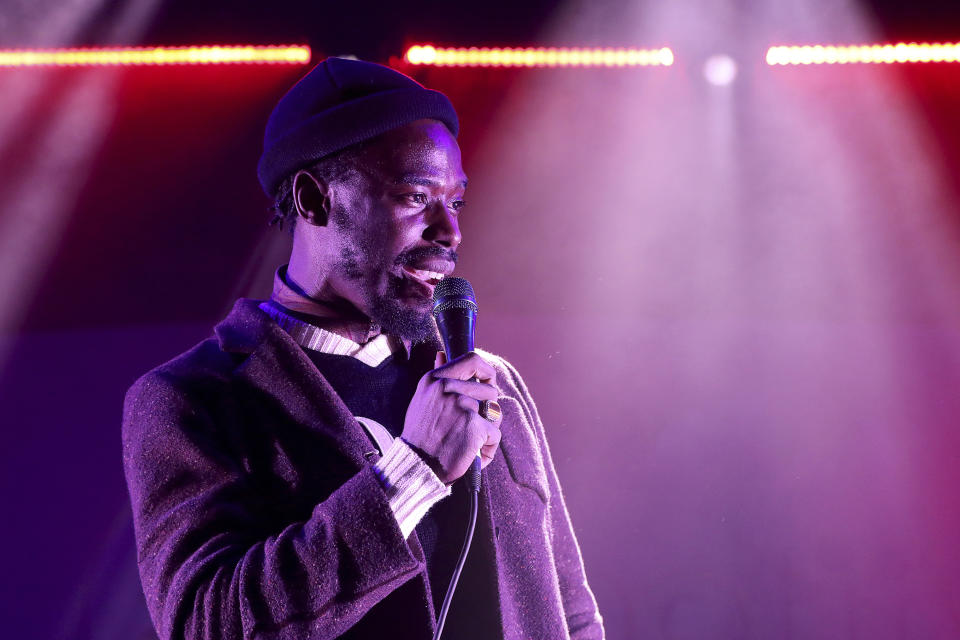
427 275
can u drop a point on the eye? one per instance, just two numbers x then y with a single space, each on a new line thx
457 205
418 198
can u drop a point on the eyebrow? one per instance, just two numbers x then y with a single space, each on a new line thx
422 181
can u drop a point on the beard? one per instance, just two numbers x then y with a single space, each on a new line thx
395 318
393 308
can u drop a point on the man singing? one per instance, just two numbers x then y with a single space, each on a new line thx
295 475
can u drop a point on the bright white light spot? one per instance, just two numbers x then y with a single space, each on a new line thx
720 70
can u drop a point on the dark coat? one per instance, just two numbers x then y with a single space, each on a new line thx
258 515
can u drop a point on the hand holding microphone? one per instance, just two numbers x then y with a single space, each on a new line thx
448 419
443 419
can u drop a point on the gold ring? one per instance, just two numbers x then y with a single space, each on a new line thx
490 409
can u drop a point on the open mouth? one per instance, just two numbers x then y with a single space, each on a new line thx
424 276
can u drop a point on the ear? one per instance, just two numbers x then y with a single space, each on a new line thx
311 198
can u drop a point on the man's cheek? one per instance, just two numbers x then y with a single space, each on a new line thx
352 262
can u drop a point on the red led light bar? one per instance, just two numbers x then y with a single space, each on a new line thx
859 54
229 54
536 57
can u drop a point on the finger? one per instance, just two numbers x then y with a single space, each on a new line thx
493 437
489 448
467 366
468 404
476 390
440 360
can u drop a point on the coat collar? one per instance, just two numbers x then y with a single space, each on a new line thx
278 367
325 315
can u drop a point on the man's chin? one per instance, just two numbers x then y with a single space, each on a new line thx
410 319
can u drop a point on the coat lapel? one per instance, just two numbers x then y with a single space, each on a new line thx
275 359
278 367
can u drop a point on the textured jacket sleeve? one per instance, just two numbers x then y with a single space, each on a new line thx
580 606
208 568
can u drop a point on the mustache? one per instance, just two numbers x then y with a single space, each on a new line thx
421 253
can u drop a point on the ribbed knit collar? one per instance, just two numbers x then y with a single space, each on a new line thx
317 325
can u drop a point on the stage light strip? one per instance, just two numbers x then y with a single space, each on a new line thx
857 54
537 57
229 54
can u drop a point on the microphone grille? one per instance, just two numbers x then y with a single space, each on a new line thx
453 292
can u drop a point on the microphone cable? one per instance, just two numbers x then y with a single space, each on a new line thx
473 480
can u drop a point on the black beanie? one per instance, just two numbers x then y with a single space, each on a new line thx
339 103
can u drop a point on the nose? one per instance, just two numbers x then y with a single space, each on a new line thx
442 227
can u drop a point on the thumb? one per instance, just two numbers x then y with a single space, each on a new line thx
440 360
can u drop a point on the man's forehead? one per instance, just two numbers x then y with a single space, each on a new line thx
420 163
423 153
415 174
429 177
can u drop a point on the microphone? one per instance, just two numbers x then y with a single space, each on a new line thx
455 310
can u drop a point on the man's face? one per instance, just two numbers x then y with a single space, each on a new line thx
395 223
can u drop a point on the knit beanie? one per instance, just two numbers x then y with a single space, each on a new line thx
341 102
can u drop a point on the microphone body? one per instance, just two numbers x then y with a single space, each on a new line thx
455 310
457 326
